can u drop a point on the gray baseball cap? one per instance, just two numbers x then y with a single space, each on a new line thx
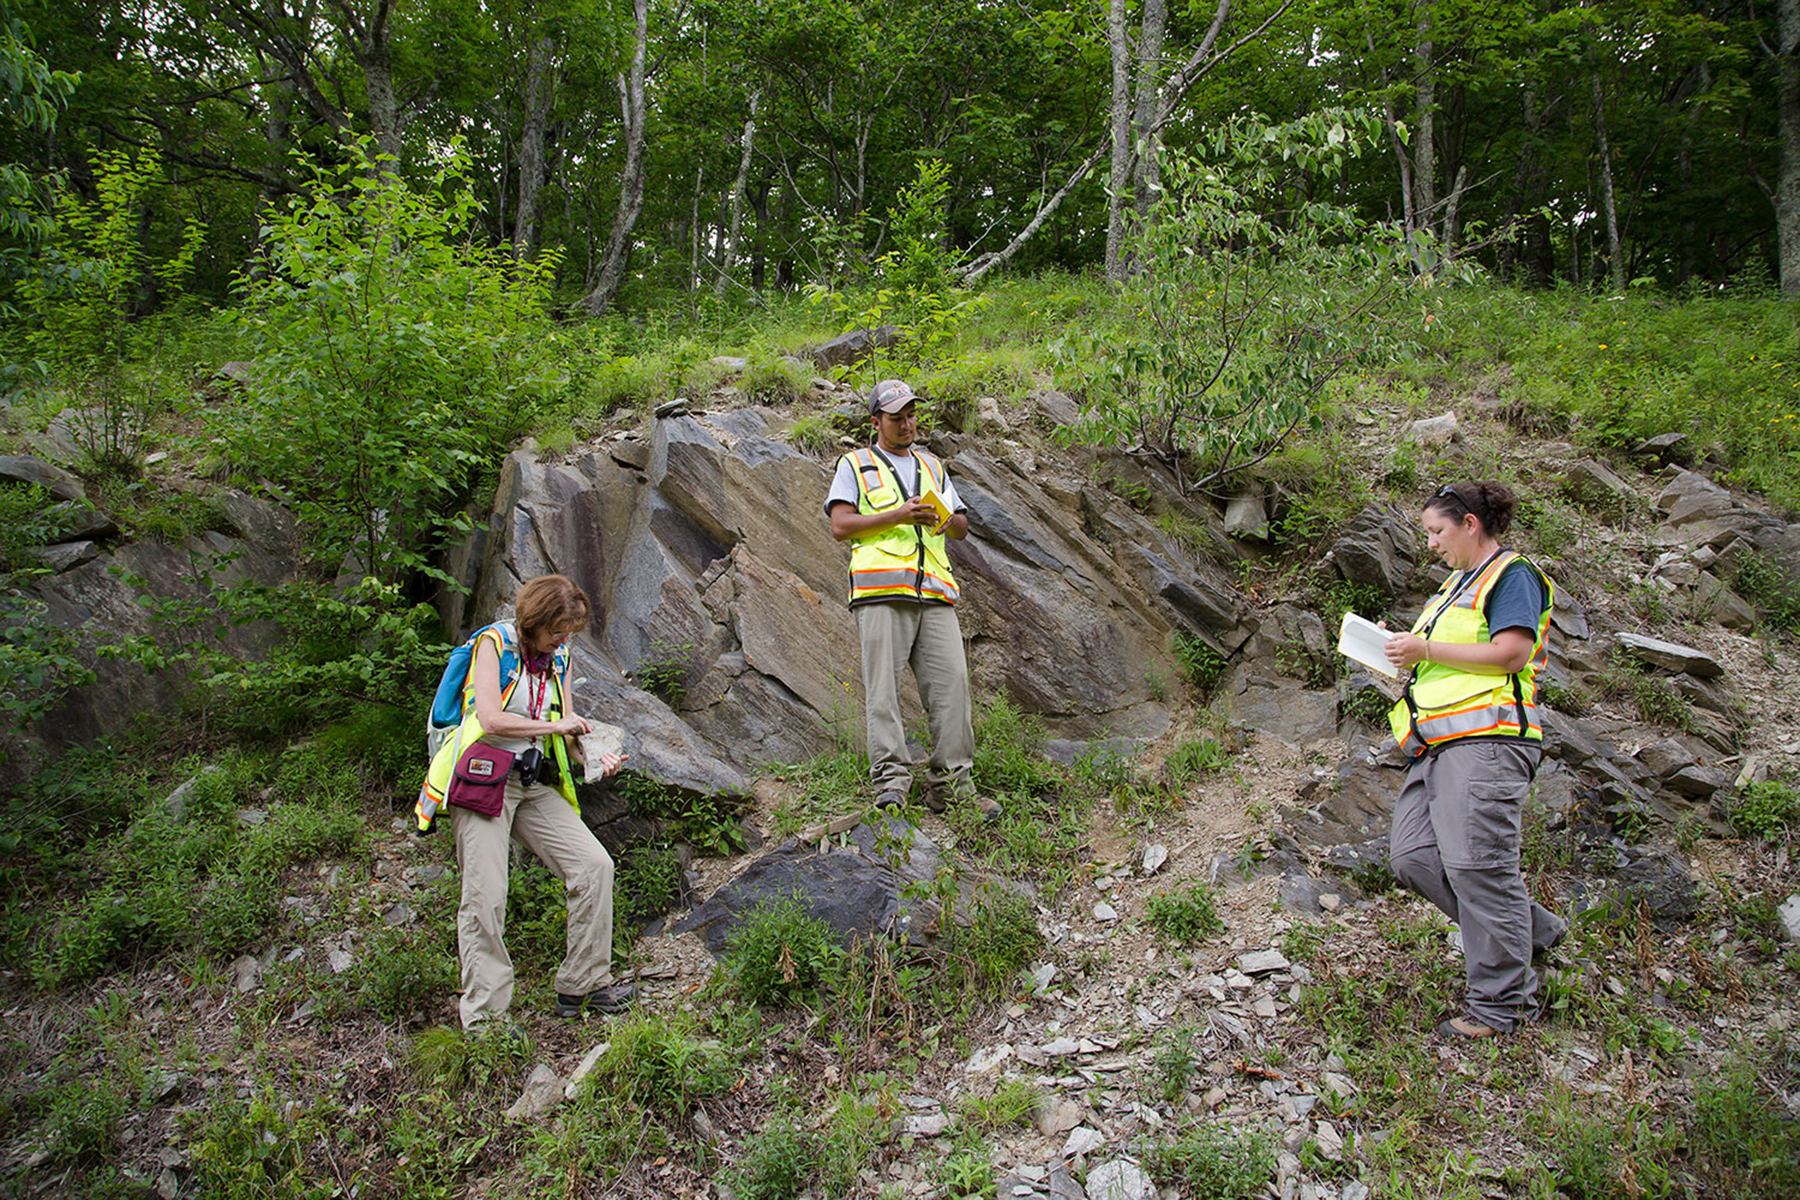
889 396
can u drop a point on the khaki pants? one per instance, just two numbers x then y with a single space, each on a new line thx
1455 841
897 634
549 827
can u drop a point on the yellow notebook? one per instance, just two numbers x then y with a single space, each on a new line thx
930 496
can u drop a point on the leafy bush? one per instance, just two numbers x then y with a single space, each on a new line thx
654 1060
666 670
486 1059
779 953
1009 751
1201 665
1766 810
83 1120
1190 760
1219 1162
1186 915
82 295
648 882
777 382
778 1163
1012 1103
403 974
813 434
1221 356
396 357
206 878
1771 589
1172 1062
999 940
707 823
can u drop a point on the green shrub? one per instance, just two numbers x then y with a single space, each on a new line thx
709 824
487 1059
83 1120
247 1151
26 523
395 358
779 1163
1747 1144
1000 938
1012 1103
1186 915
1766 810
777 382
779 954
666 670
1370 705
1009 751
402 975
1201 665
1343 596
813 434
1173 1061
648 882
1771 589
1658 702
656 1061
1216 1162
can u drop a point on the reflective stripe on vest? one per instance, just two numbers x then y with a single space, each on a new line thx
902 562
1444 703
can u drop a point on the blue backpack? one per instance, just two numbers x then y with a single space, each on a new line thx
454 695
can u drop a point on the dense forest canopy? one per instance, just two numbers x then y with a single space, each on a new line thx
734 148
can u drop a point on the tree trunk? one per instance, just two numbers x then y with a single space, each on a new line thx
1787 183
1146 178
694 234
734 219
1425 144
631 179
1523 172
1119 178
531 148
1615 261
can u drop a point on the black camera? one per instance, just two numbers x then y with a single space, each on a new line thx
535 767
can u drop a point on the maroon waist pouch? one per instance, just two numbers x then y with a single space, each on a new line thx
478 782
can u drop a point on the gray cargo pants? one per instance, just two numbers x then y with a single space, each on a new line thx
1455 841
549 827
896 634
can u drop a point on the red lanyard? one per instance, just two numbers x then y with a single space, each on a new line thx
534 702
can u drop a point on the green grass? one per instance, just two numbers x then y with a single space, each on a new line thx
1184 915
1721 369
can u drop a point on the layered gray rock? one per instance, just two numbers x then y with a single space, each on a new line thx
1380 547
860 888
28 468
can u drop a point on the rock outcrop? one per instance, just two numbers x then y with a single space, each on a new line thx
709 559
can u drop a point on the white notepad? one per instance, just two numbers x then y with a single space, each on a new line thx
1363 641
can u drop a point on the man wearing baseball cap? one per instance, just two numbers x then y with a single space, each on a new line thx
894 503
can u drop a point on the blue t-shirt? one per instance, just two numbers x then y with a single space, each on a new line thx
1517 601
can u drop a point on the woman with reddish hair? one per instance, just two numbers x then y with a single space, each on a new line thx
517 700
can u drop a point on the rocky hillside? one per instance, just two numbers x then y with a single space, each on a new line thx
1178 965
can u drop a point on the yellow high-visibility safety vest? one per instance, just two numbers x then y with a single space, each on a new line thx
902 562
1445 703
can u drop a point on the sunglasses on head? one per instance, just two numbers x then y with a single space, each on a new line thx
1449 492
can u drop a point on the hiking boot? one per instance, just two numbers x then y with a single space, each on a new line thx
614 998
890 799
1466 1029
987 806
